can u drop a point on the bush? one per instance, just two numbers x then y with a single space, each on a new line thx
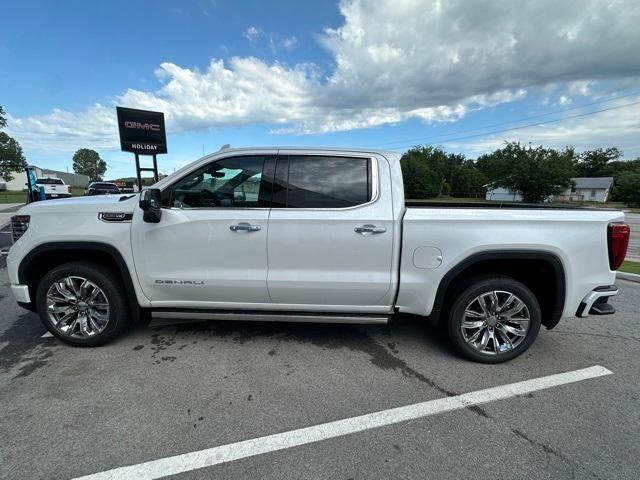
628 188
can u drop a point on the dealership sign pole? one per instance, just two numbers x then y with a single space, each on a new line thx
142 132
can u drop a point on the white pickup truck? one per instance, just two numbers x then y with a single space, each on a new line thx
311 235
54 187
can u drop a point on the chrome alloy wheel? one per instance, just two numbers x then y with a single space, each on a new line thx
77 307
495 322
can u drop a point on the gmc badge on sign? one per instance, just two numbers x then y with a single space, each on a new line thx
141 131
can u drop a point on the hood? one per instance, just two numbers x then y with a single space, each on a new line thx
95 203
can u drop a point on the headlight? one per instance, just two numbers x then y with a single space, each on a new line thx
19 225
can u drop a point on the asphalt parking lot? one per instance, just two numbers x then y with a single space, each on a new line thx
166 390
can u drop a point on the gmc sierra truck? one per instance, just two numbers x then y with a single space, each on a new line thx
311 235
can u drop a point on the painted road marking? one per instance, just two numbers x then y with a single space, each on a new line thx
46 335
293 438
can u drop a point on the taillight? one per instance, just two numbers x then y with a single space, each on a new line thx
19 225
618 239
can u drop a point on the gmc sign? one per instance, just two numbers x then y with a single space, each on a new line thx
141 131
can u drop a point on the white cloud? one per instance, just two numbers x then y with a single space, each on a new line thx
619 127
252 33
393 60
62 131
290 42
564 100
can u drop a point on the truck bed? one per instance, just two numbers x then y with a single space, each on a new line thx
437 236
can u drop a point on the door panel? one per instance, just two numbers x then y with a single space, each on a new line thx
315 255
211 242
198 246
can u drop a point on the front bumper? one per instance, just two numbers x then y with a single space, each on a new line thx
21 293
596 302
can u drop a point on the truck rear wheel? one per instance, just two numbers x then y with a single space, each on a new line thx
493 319
82 304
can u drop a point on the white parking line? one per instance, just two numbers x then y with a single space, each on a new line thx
293 438
46 335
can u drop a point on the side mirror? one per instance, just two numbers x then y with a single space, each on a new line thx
150 204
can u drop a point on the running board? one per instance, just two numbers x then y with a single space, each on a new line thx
271 316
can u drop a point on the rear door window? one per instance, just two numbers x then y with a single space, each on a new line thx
311 181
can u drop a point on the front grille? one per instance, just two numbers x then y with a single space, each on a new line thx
19 225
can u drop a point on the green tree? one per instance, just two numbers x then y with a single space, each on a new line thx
594 163
11 157
429 171
535 173
467 181
88 162
420 179
495 166
628 188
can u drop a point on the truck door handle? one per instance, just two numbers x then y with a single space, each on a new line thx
244 227
369 229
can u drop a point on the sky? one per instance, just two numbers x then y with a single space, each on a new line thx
387 74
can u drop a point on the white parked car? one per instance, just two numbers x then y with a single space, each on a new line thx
54 187
311 235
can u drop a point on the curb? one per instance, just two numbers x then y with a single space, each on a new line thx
631 277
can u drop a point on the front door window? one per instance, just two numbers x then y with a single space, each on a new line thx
231 182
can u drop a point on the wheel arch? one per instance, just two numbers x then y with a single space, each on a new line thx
526 266
46 256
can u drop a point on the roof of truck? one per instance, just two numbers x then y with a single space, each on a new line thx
227 148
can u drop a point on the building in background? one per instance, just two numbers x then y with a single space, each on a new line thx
19 181
501 194
587 189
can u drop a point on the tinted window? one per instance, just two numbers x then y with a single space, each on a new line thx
50 181
230 182
106 186
323 182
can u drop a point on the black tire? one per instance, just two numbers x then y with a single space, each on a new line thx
470 290
110 284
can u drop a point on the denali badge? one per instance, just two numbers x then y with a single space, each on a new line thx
110 217
179 282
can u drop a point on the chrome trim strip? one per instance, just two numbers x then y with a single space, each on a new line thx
275 317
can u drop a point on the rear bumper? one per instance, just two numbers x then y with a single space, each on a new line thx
596 302
57 195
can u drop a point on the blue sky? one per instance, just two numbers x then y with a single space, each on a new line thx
386 74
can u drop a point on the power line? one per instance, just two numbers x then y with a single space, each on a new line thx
509 122
533 124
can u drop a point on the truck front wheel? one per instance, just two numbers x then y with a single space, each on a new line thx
82 304
493 319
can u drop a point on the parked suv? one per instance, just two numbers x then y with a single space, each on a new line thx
101 188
